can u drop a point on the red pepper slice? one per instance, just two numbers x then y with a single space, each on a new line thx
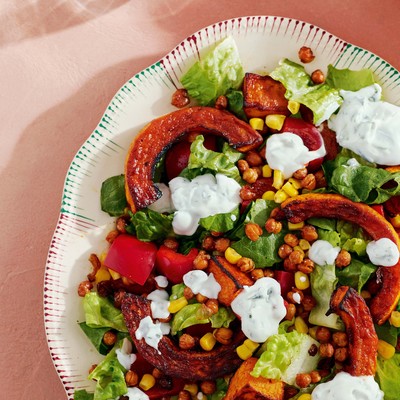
131 258
174 265
286 280
379 209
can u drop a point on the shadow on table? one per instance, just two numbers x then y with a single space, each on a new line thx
25 19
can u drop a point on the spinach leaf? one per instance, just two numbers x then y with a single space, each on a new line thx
112 196
149 225
235 103
83 395
347 79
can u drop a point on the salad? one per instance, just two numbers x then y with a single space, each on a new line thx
255 253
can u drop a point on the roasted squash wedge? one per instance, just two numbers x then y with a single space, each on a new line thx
305 206
229 277
263 96
363 341
245 386
172 360
158 136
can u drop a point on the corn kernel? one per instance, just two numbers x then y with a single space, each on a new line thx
269 195
313 332
257 123
385 349
114 274
207 342
293 106
252 346
102 275
280 196
304 244
232 255
266 171
243 352
295 183
102 257
300 325
395 221
147 382
395 319
294 227
176 305
278 180
365 294
192 388
301 280
305 396
275 121
290 190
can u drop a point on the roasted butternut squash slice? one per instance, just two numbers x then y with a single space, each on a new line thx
263 96
302 207
363 341
229 277
158 136
245 386
172 360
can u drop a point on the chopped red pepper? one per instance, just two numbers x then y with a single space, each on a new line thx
286 280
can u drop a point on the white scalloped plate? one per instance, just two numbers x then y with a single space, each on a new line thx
82 226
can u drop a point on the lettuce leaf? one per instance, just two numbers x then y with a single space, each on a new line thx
322 100
286 355
101 313
388 372
112 196
83 395
220 222
215 73
346 79
323 283
202 161
110 377
356 274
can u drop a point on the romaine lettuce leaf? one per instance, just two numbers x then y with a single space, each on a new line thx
215 73
286 355
202 161
356 274
388 372
322 99
101 313
110 377
220 222
323 283
83 395
346 79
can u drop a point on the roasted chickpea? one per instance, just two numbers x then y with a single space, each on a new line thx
306 55
273 226
318 77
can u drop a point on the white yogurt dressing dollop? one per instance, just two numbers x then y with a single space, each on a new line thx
199 282
204 196
323 253
151 332
347 387
164 203
286 152
368 126
383 252
260 308
135 393
159 303
124 354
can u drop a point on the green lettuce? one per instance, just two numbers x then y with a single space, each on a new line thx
215 73
202 161
112 196
346 79
362 182
388 372
149 225
323 283
322 100
356 274
285 356
110 377
235 103
192 315
101 313
83 395
220 222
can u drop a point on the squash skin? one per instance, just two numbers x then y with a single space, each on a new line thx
172 360
363 340
158 136
305 206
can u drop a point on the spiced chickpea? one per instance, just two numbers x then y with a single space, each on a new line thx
201 260
341 354
273 226
339 339
306 266
187 293
208 387
223 335
326 350
171 243
308 302
243 165
343 259
184 395
309 233
289 266
131 378
306 55
222 244
315 376
253 231
246 193
296 256
303 380
309 182
318 77
323 334
180 98
269 273
112 235
246 264
257 273
84 288
290 311
157 373
187 342
212 304
291 239
254 159
208 243
300 173
221 103
200 298
250 175
109 338
320 179
284 251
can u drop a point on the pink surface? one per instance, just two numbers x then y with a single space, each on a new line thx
61 62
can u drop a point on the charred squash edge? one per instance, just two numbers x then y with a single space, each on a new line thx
158 136
305 206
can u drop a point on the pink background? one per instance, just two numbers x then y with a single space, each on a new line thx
60 64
